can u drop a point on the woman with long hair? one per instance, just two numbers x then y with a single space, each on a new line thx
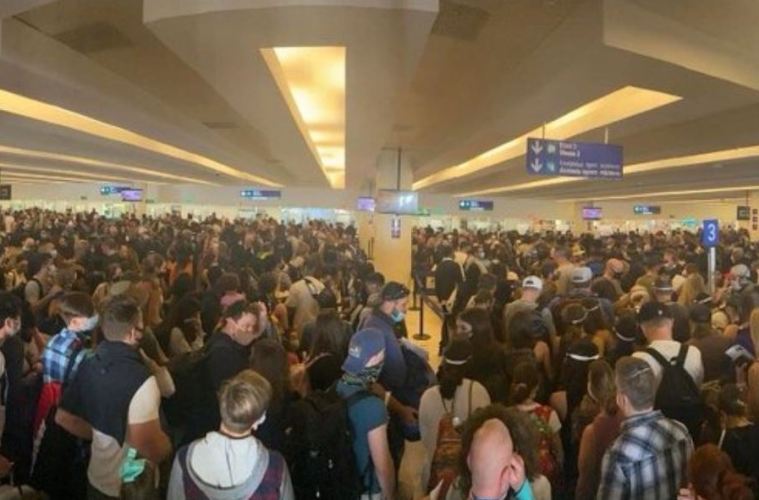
181 331
524 388
487 366
739 437
327 351
596 325
455 395
598 435
692 287
712 477
269 358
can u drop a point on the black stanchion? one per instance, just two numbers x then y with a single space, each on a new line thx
414 305
421 335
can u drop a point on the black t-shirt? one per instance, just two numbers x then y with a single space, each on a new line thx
742 443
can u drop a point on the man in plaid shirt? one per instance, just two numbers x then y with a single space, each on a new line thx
649 458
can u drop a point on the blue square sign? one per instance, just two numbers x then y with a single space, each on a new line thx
710 233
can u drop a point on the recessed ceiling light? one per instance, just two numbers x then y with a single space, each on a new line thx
41 111
10 168
312 82
616 106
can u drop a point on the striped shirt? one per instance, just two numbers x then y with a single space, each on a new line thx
648 459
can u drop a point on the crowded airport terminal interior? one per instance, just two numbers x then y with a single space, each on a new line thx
379 249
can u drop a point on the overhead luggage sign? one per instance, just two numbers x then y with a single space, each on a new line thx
574 159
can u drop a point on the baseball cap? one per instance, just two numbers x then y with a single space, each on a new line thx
364 345
533 282
394 291
653 310
700 313
582 275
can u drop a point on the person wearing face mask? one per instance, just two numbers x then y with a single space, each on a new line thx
367 416
231 463
113 400
613 272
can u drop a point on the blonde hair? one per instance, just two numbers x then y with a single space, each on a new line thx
693 286
754 326
243 400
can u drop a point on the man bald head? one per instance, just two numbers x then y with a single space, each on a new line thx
490 459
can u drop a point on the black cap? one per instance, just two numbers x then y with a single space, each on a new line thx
653 310
700 313
394 291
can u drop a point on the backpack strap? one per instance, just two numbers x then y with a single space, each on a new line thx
191 490
681 355
271 483
658 357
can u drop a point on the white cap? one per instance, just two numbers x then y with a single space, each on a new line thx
533 282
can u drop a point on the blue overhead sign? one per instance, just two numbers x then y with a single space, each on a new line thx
261 194
476 205
574 159
710 233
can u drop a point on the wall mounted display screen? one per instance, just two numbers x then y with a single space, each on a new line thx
397 202
5 192
744 213
476 205
365 204
261 194
131 195
591 213
646 209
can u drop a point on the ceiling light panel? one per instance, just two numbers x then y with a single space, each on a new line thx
45 155
8 168
312 82
41 111
616 106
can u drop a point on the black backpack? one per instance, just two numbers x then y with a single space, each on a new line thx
678 397
319 447
192 394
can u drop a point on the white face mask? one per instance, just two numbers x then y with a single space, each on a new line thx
90 324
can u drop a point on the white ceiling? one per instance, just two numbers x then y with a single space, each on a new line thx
444 81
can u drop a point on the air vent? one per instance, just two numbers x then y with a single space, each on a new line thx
220 125
459 21
95 37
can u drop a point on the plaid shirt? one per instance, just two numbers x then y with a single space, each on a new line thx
56 356
648 460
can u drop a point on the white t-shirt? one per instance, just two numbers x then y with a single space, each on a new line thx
301 298
431 409
669 349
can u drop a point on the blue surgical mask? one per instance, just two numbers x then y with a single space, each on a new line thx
397 315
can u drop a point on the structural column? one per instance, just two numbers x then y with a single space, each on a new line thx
392 244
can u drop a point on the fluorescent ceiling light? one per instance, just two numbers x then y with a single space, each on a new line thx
619 105
725 155
44 155
658 194
9 168
43 177
41 111
312 82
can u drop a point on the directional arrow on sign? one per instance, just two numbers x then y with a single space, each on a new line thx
536 147
536 165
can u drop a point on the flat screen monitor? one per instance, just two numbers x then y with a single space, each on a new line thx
365 204
744 213
591 213
397 202
131 195
476 205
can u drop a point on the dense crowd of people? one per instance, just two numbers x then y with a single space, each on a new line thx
168 357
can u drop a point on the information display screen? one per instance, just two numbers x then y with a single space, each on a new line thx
397 202
366 204
131 195
592 213
744 213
